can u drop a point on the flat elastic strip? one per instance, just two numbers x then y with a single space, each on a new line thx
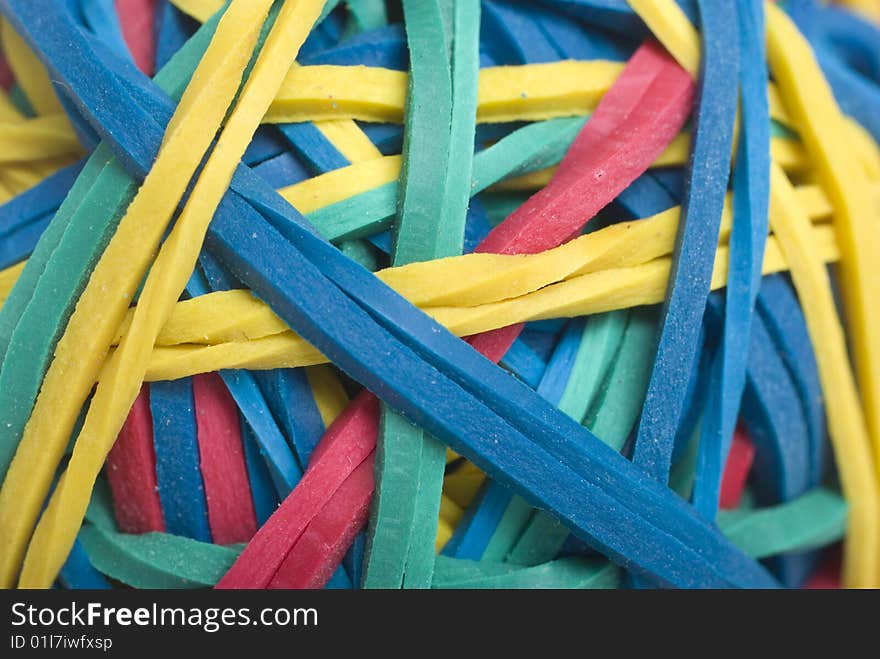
320 549
409 469
751 195
35 139
584 295
29 73
515 93
121 268
846 420
572 572
237 316
231 513
171 269
691 274
156 560
288 395
131 472
528 92
180 484
821 124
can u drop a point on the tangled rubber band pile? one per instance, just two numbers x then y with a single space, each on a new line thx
241 241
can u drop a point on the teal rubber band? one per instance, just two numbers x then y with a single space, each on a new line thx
409 471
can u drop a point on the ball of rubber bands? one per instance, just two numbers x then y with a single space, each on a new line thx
439 294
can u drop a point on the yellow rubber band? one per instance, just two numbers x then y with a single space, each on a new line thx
37 139
340 184
330 396
595 292
349 140
471 280
121 379
846 422
201 10
30 74
81 350
823 130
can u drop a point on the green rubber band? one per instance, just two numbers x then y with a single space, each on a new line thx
814 519
156 560
410 472
617 406
570 573
539 542
23 291
393 506
367 14
599 346
463 40
515 518
360 252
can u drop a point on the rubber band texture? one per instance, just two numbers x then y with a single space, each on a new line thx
339 526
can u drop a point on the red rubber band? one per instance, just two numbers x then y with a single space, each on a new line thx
231 514
348 442
316 555
131 471
138 19
736 470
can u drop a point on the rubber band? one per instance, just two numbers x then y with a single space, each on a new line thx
260 479
584 295
317 553
784 320
231 515
238 316
179 479
156 560
690 277
846 421
293 406
430 146
137 20
516 93
801 83
131 472
751 193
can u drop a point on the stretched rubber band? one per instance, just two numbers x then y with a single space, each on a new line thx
231 515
